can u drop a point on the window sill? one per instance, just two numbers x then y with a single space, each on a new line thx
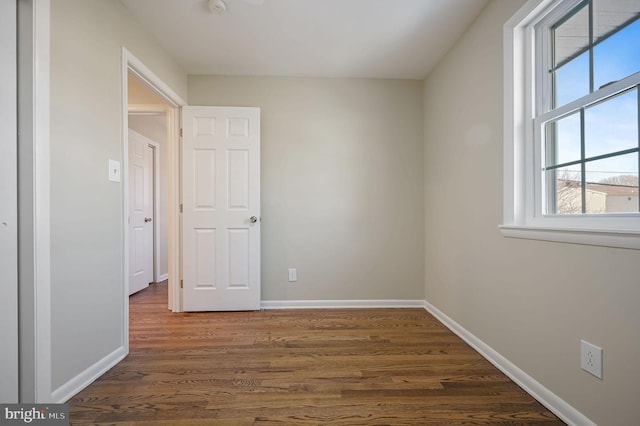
605 238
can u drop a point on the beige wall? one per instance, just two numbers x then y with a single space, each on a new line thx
531 301
86 209
341 183
140 94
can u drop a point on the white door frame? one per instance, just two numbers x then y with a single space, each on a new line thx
131 64
156 209
137 109
34 26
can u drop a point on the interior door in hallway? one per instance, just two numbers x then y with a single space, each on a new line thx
221 208
140 212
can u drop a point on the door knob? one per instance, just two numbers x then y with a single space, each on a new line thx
253 219
147 219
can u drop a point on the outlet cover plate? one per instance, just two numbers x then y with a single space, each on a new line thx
591 358
293 275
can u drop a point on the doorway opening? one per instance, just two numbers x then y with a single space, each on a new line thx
148 132
154 103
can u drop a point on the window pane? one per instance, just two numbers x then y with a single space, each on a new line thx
609 15
571 57
565 189
572 80
612 184
571 36
618 56
612 125
563 140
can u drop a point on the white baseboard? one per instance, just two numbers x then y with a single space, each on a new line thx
163 277
88 376
340 304
553 402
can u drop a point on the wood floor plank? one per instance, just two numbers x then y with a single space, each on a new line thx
299 367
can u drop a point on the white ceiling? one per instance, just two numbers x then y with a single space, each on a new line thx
309 38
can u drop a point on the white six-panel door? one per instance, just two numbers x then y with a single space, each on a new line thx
221 208
140 212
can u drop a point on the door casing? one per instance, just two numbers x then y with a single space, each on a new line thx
35 373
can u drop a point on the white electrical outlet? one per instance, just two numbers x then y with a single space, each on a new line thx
293 275
591 358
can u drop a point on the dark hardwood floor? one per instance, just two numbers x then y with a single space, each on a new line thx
299 367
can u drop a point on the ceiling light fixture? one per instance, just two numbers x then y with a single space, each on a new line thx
217 7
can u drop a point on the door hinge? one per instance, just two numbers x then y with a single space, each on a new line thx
181 283
181 208
181 132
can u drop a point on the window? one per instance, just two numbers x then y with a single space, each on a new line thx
572 122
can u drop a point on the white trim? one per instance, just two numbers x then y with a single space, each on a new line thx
125 200
518 112
147 109
174 239
163 277
341 304
553 402
42 212
88 376
592 237
157 242
144 73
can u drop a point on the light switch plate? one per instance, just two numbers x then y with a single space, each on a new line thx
114 171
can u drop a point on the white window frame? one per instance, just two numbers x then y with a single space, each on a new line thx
522 179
